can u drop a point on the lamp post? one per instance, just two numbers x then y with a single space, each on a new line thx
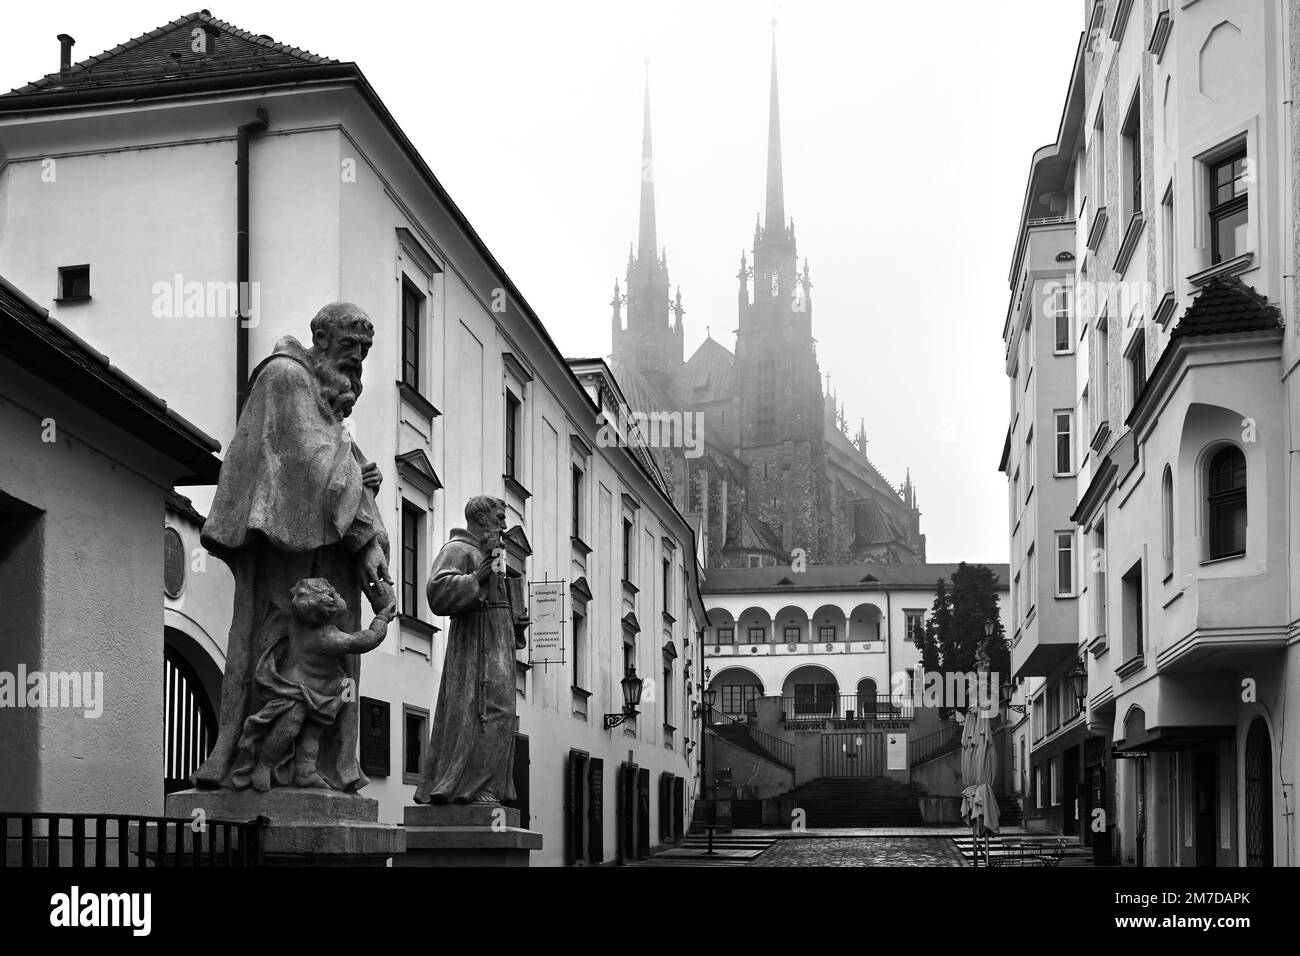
1079 683
631 697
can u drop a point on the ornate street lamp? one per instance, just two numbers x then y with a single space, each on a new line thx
631 697
1079 682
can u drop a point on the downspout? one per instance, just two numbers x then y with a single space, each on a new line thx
244 133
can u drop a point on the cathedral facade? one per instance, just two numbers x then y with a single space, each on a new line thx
763 463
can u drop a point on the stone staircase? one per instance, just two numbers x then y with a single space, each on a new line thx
855 802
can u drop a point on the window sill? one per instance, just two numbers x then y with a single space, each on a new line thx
668 618
516 488
1165 310
629 586
415 624
1227 267
580 545
1129 243
1098 230
1131 666
414 779
70 299
417 401
1223 558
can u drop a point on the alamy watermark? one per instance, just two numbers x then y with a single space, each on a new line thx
78 690
684 430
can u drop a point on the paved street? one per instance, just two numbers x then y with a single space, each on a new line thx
862 851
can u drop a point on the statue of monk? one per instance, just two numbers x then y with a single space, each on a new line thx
295 500
471 748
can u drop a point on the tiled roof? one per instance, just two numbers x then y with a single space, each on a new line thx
167 53
1227 304
871 525
873 575
752 534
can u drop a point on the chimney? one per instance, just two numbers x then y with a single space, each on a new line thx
65 52
212 32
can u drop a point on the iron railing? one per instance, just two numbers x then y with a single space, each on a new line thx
113 840
846 707
778 750
932 745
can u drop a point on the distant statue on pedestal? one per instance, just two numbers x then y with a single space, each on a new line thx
471 749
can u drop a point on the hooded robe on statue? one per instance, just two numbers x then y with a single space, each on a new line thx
290 504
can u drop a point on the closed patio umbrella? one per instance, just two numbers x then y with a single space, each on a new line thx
979 765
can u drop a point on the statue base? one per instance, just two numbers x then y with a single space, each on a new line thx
466 835
308 827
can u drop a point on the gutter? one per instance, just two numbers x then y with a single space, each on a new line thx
243 135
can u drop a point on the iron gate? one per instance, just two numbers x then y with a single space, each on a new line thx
858 754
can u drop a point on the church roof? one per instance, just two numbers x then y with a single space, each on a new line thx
709 375
167 54
872 575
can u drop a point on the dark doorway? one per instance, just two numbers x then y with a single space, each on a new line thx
1259 795
1205 780
1070 790
520 774
643 813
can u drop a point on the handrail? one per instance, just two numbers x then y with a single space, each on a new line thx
240 842
931 745
778 750
848 707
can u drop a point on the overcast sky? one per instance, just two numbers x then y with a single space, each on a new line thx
907 130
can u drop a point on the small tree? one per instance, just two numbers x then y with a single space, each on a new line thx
958 619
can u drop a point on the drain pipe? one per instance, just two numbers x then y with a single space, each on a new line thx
243 135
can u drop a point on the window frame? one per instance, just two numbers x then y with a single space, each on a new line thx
1062 308
513 406
412 334
1068 435
1216 211
1217 501
410 710
413 517
1066 553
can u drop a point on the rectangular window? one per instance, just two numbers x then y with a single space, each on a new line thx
726 635
1229 206
1137 365
1064 563
1055 768
1031 596
1064 418
826 632
1029 463
512 435
415 733
575 502
810 699
1134 625
738 698
1099 163
791 635
668 587
412 533
915 625
1061 319
1053 709
1131 133
757 635
412 309
627 550
1169 239
1099 576
1101 395
668 694
74 283
579 650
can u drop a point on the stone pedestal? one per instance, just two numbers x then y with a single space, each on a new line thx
466 835
308 827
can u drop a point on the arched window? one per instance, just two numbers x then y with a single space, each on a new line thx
1167 514
1226 500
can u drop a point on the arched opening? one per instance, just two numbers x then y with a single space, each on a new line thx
191 682
754 626
790 626
828 625
865 624
1225 503
1167 517
1259 795
810 692
738 691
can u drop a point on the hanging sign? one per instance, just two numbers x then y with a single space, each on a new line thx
546 627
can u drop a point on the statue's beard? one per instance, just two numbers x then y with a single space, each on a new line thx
340 386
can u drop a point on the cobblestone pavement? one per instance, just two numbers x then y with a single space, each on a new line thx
862 851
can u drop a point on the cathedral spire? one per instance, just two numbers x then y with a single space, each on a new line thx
775 189
647 242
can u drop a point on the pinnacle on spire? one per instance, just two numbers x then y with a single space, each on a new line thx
646 244
775 218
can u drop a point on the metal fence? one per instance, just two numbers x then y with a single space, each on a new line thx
820 707
124 840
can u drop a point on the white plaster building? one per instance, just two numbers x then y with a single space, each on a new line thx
122 198
1177 161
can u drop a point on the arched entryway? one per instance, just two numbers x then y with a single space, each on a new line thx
867 698
811 692
191 682
738 691
1259 795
